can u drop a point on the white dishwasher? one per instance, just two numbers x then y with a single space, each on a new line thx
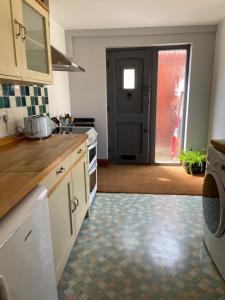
26 255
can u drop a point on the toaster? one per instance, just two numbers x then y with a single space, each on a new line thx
37 127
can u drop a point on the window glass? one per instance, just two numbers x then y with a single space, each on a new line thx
129 79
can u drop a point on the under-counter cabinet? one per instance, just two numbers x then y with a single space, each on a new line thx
60 164
62 223
25 53
68 204
80 200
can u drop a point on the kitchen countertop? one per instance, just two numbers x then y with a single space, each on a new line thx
25 163
219 145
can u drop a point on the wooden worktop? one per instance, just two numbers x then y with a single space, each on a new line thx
25 163
219 145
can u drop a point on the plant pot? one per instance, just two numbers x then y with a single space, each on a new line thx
195 168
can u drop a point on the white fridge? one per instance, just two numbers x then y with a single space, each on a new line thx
26 255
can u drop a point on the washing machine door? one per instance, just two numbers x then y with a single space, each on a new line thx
213 202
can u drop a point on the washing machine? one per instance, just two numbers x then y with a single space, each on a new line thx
213 202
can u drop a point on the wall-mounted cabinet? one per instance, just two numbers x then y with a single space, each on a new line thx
25 54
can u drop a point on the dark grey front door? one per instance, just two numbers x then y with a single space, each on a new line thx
129 78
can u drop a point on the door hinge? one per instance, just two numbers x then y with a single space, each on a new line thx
108 108
107 63
109 149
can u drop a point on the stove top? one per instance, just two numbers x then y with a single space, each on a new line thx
90 131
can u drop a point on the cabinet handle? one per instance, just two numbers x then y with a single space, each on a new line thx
70 209
27 236
60 170
24 33
74 206
79 151
77 201
19 28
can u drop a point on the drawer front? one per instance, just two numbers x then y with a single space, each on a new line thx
54 176
51 179
78 152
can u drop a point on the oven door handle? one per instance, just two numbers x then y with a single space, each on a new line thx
93 145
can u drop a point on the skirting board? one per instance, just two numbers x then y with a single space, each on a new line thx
103 163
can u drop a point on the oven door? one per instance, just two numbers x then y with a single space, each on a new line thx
92 182
213 197
92 154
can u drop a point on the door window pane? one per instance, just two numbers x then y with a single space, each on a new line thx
129 79
170 104
35 42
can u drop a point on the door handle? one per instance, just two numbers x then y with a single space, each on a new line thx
77 201
60 170
145 130
27 235
129 95
147 91
24 33
74 206
19 28
70 209
4 292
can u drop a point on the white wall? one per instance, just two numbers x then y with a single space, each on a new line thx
89 91
217 118
59 92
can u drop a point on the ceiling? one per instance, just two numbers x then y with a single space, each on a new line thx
97 14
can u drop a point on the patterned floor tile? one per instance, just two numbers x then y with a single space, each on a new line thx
136 247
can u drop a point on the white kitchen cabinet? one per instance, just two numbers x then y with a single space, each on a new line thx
62 223
25 53
26 258
80 201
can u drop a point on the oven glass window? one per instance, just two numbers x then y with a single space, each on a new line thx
211 204
92 154
92 181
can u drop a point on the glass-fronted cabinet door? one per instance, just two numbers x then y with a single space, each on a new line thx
36 43
10 58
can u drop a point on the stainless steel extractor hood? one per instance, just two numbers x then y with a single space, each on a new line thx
62 63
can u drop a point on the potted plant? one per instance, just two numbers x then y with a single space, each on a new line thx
194 161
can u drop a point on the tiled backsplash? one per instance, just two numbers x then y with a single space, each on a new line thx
35 98
20 101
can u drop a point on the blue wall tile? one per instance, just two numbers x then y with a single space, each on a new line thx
6 102
1 102
18 101
29 111
24 101
27 90
22 90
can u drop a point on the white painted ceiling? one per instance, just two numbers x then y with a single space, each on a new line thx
96 14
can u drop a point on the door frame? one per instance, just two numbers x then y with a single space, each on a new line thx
153 92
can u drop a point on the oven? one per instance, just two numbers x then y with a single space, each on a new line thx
92 174
91 150
92 169
92 154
